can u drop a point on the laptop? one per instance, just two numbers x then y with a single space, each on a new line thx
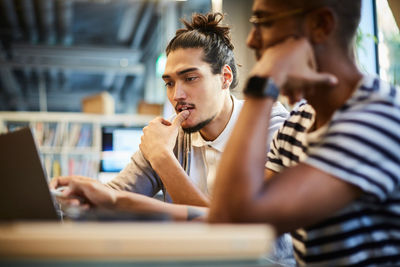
24 191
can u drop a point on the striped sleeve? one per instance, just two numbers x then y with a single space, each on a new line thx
274 162
287 147
362 147
278 115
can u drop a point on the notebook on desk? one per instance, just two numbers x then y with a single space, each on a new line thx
24 191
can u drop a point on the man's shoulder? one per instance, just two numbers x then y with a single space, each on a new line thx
278 110
237 102
373 89
373 101
302 111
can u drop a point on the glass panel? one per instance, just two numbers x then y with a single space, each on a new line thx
389 43
366 41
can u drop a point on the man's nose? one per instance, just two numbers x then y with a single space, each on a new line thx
253 39
179 92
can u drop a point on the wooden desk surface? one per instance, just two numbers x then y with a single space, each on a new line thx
134 241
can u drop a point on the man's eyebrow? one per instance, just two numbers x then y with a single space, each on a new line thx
187 70
166 76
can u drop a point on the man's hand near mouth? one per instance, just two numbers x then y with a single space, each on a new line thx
159 136
157 144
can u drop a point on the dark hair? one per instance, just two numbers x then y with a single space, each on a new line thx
347 11
206 32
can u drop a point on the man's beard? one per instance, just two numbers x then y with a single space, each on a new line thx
198 126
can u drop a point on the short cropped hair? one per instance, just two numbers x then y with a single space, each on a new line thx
347 11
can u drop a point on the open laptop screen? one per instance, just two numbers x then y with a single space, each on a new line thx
24 192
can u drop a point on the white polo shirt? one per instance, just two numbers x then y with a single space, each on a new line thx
207 154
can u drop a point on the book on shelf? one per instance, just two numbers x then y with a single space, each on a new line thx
38 132
81 135
52 165
49 133
74 132
56 171
58 139
86 166
85 137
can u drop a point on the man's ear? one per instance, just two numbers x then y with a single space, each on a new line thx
321 25
227 76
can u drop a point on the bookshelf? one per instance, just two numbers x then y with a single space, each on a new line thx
69 143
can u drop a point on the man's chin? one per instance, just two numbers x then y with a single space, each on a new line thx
192 128
197 127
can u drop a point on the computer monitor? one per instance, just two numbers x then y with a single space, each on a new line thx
118 145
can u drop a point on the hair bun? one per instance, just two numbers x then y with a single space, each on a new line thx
209 24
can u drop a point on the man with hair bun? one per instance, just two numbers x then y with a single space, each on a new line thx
180 156
333 176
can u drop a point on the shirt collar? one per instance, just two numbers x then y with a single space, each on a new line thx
220 142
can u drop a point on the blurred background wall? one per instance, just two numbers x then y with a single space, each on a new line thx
54 53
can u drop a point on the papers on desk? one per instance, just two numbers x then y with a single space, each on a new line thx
138 241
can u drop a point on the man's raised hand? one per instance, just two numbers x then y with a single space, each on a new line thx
293 68
159 136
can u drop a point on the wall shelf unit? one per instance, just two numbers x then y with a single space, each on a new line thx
69 143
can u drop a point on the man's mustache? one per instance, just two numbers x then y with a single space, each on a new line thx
183 105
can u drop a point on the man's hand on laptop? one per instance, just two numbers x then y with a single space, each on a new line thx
83 191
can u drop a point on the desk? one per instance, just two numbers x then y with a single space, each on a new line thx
127 244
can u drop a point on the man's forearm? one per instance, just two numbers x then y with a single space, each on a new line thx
241 169
137 176
126 201
177 182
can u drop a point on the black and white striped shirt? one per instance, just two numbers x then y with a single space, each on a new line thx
360 145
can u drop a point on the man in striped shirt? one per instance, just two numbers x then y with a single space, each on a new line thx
334 167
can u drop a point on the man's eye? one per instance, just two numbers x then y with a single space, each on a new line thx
168 84
267 24
262 21
190 79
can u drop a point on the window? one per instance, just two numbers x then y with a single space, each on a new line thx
378 41
389 43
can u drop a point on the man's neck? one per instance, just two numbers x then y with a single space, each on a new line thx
327 101
212 130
